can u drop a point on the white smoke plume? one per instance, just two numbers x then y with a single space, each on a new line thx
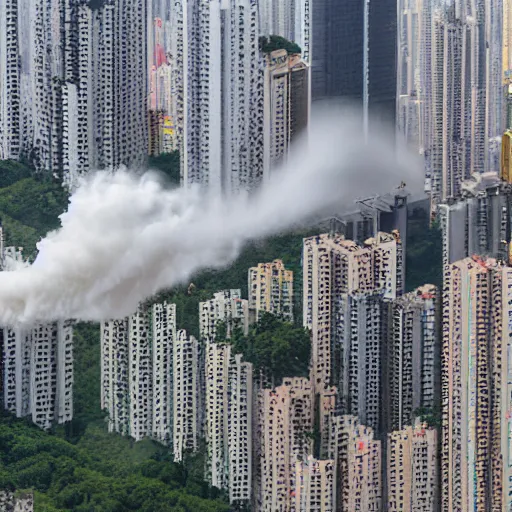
127 236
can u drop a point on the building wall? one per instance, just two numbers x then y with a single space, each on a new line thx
226 306
186 395
474 386
137 373
216 66
414 349
412 470
339 274
228 423
315 487
284 415
271 290
358 465
38 373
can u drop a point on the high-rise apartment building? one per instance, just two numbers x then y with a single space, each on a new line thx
414 45
462 99
284 416
186 399
226 306
476 377
412 470
413 352
73 92
344 286
271 290
480 222
9 82
228 422
38 373
218 83
136 370
357 456
286 106
315 485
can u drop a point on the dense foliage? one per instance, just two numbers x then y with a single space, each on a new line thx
102 472
274 346
29 206
168 164
272 43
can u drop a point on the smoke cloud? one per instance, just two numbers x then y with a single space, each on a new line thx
127 236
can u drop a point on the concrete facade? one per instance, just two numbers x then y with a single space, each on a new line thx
271 290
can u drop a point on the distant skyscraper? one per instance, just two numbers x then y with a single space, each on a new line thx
271 289
218 82
286 106
412 470
136 366
413 72
476 385
461 91
354 47
284 416
358 465
228 425
413 354
226 306
38 373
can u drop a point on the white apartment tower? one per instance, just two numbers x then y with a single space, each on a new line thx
344 288
413 352
186 387
38 373
271 290
358 465
226 306
412 470
476 386
228 422
73 92
9 81
218 80
136 368
285 414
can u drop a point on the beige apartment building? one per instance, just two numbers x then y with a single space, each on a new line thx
284 418
358 465
412 472
271 289
477 386
315 485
